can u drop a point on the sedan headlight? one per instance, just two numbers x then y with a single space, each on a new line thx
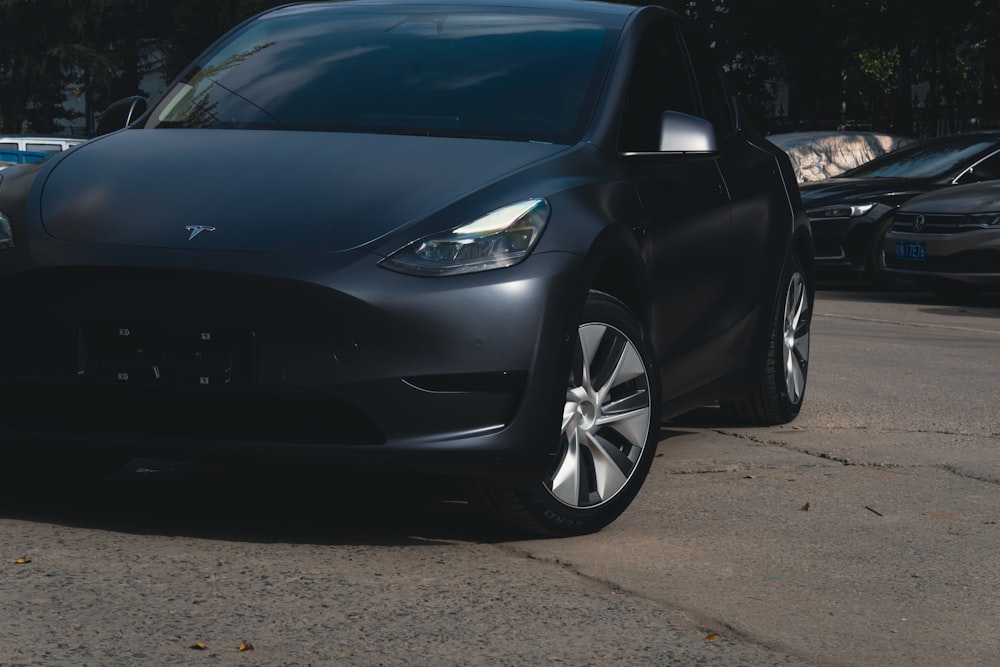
499 239
841 211
985 220
6 232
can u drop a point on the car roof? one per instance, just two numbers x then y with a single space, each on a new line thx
568 7
944 141
949 139
958 138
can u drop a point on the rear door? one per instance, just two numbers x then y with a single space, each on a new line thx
761 217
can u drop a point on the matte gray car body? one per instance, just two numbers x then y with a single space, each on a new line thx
229 277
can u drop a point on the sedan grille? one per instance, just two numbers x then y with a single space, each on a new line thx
934 223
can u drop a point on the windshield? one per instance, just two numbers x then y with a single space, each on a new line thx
509 74
927 160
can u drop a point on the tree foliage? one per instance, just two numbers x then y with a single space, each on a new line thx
885 63
851 60
98 51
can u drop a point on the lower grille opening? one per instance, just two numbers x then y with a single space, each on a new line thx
89 410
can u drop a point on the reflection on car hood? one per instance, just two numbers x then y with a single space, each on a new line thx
264 190
975 198
832 191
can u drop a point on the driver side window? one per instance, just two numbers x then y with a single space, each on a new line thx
661 81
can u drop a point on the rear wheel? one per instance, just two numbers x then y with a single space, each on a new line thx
610 426
778 396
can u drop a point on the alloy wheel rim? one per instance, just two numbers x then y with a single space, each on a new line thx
605 418
795 347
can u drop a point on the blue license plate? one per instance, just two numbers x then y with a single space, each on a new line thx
912 250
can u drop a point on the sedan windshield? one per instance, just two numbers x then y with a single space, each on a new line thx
523 76
929 160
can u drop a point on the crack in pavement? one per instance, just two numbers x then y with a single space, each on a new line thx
708 469
692 618
954 470
866 429
914 325
967 475
808 452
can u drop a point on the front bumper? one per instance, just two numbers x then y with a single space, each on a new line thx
971 257
843 244
323 357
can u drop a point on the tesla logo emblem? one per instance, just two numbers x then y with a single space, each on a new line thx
918 223
198 229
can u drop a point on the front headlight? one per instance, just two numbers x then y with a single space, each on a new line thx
841 211
6 232
985 220
499 239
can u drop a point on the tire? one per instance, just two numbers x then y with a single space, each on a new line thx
780 390
610 428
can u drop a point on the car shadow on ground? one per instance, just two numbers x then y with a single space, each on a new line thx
254 503
706 417
258 503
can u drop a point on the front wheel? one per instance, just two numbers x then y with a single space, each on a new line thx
875 274
610 427
778 396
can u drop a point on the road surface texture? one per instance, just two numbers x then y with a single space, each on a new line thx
865 533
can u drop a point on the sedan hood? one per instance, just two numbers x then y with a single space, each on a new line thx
833 191
270 191
959 200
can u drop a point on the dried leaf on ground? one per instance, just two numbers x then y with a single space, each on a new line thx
199 646
244 646
21 561
712 637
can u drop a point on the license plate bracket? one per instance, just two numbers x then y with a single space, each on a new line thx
166 357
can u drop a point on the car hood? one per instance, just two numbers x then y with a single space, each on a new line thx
832 191
961 199
271 191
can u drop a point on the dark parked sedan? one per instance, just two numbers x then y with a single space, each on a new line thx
486 239
950 238
851 213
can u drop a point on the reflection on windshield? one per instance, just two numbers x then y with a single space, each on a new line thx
512 76
930 161
191 100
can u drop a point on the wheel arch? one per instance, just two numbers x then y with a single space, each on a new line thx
802 245
615 267
614 279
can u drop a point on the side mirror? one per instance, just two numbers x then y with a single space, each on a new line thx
121 114
682 133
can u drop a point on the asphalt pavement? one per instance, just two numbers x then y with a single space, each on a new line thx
865 533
